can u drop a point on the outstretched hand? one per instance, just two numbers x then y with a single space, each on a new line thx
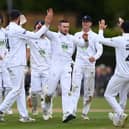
49 17
120 21
102 24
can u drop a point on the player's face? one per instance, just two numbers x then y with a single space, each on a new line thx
38 26
86 25
64 28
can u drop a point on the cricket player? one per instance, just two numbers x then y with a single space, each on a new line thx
15 61
40 53
120 78
5 87
88 51
123 94
62 50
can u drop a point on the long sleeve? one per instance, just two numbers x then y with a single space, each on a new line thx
113 42
99 49
27 34
52 36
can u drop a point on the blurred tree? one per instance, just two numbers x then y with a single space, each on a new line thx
108 9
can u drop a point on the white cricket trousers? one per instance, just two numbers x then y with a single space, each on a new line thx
114 86
62 73
17 93
5 82
87 74
123 96
39 80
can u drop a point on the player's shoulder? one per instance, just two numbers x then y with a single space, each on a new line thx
117 38
78 33
70 35
2 30
14 28
45 39
92 33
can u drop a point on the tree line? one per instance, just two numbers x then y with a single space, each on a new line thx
108 9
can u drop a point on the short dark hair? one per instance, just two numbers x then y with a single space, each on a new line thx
125 26
14 14
1 18
63 21
37 22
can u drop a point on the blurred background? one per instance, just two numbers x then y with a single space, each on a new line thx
73 10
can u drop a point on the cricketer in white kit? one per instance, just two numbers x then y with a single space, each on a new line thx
5 84
62 44
88 51
40 58
119 80
16 62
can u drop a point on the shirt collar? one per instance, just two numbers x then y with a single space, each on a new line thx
87 32
60 34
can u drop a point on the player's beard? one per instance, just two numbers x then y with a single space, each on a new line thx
64 33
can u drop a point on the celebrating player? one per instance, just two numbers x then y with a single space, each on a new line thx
120 79
16 60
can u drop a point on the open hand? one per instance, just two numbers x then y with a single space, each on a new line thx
120 21
102 24
49 16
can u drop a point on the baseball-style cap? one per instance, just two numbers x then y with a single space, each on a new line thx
86 18
14 14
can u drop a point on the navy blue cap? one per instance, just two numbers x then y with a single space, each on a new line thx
86 18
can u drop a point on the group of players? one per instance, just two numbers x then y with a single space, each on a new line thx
51 61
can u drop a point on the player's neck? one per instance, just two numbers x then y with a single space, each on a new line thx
86 30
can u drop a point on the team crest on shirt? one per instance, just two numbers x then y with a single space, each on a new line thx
2 43
127 47
42 52
86 46
64 46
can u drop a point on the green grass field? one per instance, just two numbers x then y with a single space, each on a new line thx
98 118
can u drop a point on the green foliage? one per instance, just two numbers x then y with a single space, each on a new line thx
108 9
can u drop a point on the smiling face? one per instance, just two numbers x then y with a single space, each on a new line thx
63 27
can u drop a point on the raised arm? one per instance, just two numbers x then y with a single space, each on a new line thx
48 19
52 36
106 41
99 49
